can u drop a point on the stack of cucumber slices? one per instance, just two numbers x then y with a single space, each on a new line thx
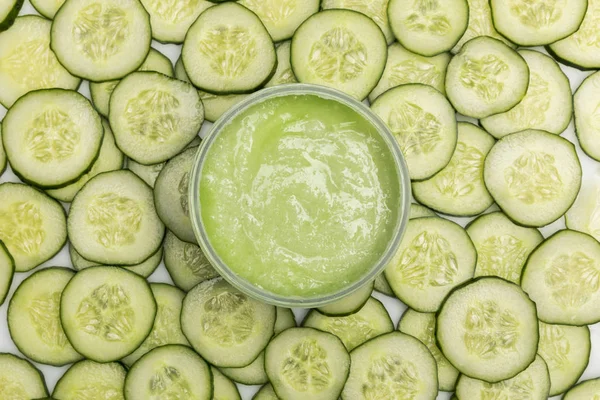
494 103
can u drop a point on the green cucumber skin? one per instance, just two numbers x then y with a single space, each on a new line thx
568 63
575 115
12 15
3 247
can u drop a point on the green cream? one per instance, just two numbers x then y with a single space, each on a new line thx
299 195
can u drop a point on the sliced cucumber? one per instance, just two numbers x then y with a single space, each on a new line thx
225 326
375 9
533 176
7 271
428 27
34 318
266 393
170 21
404 67
424 124
8 13
488 330
584 214
382 285
587 115
566 350
3 162
107 312
502 247
283 74
563 277
186 263
353 330
33 227
90 380
19 379
537 22
303 362
285 320
47 8
547 106
458 189
252 374
113 220
585 390
27 62
435 256
349 304
422 326
487 77
392 366
145 269
224 388
100 41
419 211
341 49
532 384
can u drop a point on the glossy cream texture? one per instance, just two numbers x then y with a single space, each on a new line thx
299 195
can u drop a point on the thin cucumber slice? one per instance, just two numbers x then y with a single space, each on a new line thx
285 320
34 318
304 360
283 74
382 286
487 77
225 326
252 374
186 263
167 326
563 277
282 18
91 380
585 390
353 330
7 271
101 41
113 220
33 227
420 211
3 162
170 21
533 176
533 383
375 9
224 388
566 350
228 50
537 22
547 106
428 27
9 11
392 366
349 304
502 247
145 269
341 49
458 189
424 124
404 67
266 393
169 372
47 8
19 379
422 326
488 330
109 158
107 312
587 115
584 214
435 256
28 64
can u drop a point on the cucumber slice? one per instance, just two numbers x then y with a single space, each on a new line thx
547 106
587 115
283 74
28 64
252 374
7 271
113 220
533 384
487 77
584 390
266 393
422 326
169 372
502 247
282 17
563 278
303 362
353 330
2 154
458 189
566 350
419 211
228 50
19 379
167 326
34 318
424 124
33 227
224 388
341 49
8 13
375 9
225 326
537 22
90 380
186 263
170 21
109 158
488 330
349 304
392 366
404 67
47 8
101 41
382 286
435 256
285 320
145 269
584 214
428 27
533 176
107 312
